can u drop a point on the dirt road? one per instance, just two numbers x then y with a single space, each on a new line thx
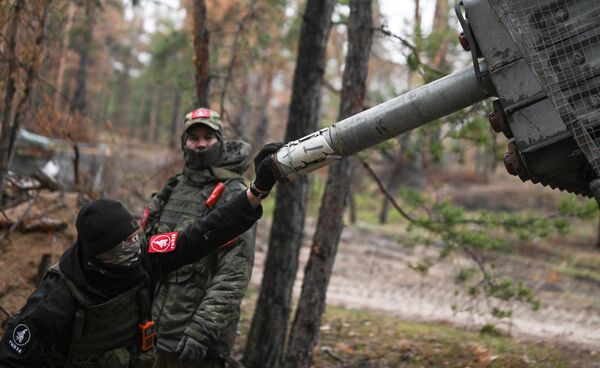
371 272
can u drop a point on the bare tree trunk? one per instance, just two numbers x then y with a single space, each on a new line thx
85 47
153 127
201 43
262 127
13 117
266 340
399 167
121 112
8 128
440 27
138 124
233 61
417 25
263 114
305 328
103 109
175 119
480 160
11 69
492 156
62 62
352 205
76 156
243 118
598 234
440 24
32 70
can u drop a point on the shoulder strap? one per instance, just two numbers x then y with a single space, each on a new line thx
55 269
165 192
158 200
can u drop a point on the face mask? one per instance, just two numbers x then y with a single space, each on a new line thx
125 254
202 159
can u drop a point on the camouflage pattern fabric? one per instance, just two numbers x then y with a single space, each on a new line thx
202 300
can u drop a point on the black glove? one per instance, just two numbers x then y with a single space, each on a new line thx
191 351
263 167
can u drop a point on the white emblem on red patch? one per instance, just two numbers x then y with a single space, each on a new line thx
163 243
201 113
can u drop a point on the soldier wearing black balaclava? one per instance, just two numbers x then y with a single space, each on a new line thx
211 289
92 309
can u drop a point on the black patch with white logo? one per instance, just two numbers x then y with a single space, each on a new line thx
20 338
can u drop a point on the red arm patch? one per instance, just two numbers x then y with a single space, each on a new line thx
144 219
163 243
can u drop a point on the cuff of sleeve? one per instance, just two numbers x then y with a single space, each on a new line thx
247 208
199 337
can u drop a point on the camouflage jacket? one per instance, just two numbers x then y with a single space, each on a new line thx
202 300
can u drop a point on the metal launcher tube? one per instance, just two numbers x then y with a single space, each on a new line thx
382 122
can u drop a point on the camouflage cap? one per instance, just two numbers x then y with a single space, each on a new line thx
210 118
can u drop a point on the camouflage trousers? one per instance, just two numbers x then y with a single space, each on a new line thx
169 360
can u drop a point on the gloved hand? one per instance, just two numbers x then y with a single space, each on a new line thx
190 350
263 167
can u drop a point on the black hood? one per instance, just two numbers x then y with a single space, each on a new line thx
233 163
236 156
100 283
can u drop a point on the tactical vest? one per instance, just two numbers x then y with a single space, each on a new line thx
107 334
180 203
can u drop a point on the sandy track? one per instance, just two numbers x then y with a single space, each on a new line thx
371 272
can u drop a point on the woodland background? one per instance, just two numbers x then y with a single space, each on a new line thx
108 83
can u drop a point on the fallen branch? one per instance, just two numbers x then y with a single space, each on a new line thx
4 214
46 181
56 205
23 218
329 351
16 202
466 221
43 225
23 182
389 196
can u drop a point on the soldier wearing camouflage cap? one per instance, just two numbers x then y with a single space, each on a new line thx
202 139
197 307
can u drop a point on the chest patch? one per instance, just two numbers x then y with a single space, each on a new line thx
163 243
20 338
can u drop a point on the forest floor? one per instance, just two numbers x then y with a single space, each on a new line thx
375 298
372 273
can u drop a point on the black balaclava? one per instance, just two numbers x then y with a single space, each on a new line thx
103 226
202 159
